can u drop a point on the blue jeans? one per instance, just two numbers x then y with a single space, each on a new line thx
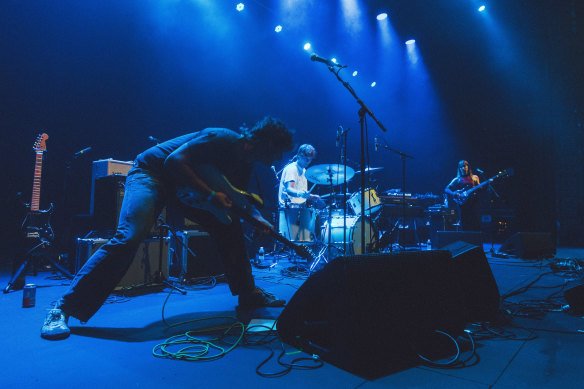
144 198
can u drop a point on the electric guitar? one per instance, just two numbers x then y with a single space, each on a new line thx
36 224
467 193
242 203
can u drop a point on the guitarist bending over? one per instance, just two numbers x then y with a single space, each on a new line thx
468 205
153 182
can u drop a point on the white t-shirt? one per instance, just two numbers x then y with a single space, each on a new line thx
290 173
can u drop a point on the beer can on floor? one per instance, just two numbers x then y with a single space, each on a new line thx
28 295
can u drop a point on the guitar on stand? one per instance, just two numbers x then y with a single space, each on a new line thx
242 203
36 227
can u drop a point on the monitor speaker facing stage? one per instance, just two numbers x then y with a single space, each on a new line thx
371 314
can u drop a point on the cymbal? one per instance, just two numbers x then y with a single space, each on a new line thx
327 174
324 196
369 169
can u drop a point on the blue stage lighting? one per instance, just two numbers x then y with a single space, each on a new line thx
410 42
307 46
334 60
278 28
240 7
482 8
382 16
355 73
373 84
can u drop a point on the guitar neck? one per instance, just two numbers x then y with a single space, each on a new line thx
36 183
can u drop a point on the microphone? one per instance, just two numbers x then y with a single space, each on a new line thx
376 144
153 139
339 132
479 171
85 150
328 62
275 172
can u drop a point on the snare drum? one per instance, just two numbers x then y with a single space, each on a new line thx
353 236
297 223
372 202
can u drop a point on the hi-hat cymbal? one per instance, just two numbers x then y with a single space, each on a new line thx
329 174
369 169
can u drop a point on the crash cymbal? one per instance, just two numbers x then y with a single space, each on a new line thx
329 174
369 169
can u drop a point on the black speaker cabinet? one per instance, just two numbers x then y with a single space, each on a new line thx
144 267
371 314
575 298
444 238
481 296
107 202
529 245
183 265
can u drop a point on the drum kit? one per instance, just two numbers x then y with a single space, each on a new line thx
337 224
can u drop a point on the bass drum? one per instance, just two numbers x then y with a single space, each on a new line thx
353 236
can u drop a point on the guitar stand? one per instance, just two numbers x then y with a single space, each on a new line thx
14 283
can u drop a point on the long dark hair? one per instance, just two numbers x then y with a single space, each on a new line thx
460 165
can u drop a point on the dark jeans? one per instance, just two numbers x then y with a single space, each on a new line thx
145 196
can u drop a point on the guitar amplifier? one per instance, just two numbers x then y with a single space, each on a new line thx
108 195
104 168
182 264
145 264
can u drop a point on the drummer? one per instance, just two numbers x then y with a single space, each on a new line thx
293 184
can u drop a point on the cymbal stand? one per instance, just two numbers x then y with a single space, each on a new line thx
327 247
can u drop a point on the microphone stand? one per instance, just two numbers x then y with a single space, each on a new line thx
345 188
363 111
403 156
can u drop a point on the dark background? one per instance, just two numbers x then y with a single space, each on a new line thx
502 89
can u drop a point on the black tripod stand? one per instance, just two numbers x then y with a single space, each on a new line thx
17 280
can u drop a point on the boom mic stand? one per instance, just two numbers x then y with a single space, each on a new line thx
363 111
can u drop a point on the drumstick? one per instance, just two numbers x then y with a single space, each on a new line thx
313 185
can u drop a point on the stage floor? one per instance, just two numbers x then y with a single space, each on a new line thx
540 347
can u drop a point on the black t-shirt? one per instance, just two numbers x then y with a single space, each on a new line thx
220 147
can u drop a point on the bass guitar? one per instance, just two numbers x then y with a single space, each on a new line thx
242 203
36 224
463 195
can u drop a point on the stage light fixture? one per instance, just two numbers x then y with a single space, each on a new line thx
373 84
240 7
410 42
278 28
382 16
334 60
355 73
307 46
482 8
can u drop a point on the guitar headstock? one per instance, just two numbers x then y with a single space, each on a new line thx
507 172
40 143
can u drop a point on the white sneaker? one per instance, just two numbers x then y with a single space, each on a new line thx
55 326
